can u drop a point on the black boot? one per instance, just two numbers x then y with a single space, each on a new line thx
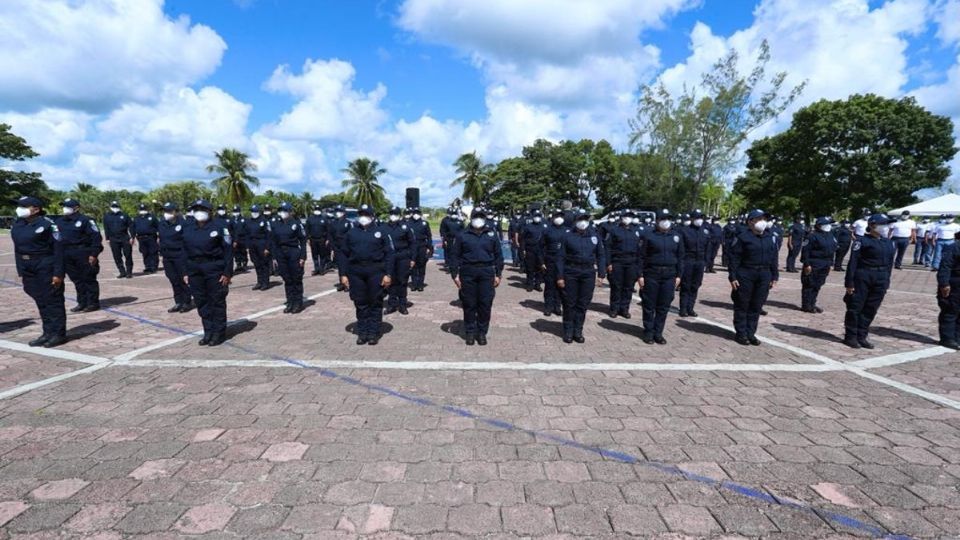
481 339
77 308
39 341
216 339
176 308
470 339
55 341
205 340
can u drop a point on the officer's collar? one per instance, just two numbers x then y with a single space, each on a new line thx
480 230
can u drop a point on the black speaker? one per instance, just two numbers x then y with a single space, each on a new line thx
413 197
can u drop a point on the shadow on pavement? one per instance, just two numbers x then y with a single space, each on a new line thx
704 329
117 300
547 327
240 327
89 329
635 330
714 303
10 326
903 335
352 328
807 332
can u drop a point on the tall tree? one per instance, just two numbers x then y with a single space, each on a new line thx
362 182
865 151
181 193
474 176
701 136
305 203
233 184
14 184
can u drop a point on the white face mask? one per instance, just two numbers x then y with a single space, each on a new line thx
201 215
284 215
647 221
189 213
339 215
884 230
236 214
802 222
67 210
558 221
760 226
537 219
826 228
697 222
664 224
365 220
23 212
221 212
394 218
267 212
478 223
636 221
417 216
686 222
317 212
254 215
168 216
626 220
582 225
142 212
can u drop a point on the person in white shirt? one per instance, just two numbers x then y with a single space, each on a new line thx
860 225
946 233
903 232
920 240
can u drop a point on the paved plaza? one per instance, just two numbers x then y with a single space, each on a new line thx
290 430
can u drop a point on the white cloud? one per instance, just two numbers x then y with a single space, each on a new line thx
947 16
97 54
50 132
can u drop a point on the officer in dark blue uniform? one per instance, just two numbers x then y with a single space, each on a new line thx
816 257
117 226
622 242
844 238
753 272
795 243
716 238
730 232
316 228
174 257
867 279
288 244
145 231
257 229
581 263
948 296
513 229
239 240
450 228
404 242
82 244
531 235
552 295
661 266
422 249
209 250
337 231
367 258
476 264
39 256
696 241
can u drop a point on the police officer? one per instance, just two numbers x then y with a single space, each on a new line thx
337 231
476 264
816 257
730 232
117 226
795 243
288 244
696 241
422 249
38 250
209 250
450 227
867 279
531 235
844 238
174 257
661 267
82 244
404 242
948 297
239 240
552 295
145 230
513 229
753 272
366 259
316 228
580 265
622 243
716 237
257 234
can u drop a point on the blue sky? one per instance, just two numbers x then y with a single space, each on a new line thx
303 86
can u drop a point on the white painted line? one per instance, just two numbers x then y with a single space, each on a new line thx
52 353
24 388
480 366
900 358
166 343
936 398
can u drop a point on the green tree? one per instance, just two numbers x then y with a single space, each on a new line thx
362 182
700 136
304 203
474 176
233 184
712 195
182 193
14 184
865 151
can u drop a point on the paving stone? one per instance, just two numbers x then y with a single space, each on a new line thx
150 517
98 517
475 519
421 519
205 518
528 519
582 519
637 520
689 519
256 519
312 518
58 489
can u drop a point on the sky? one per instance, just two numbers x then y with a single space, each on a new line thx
135 93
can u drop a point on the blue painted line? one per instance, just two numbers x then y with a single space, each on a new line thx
739 489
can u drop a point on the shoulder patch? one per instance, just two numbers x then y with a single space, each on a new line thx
490 234
805 242
676 239
404 227
39 229
79 224
594 240
293 227
178 228
93 226
213 234
637 233
377 234
856 246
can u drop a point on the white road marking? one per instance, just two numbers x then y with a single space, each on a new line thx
480 366
166 343
900 358
930 396
24 388
52 353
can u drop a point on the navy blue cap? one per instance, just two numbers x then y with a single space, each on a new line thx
397 211
286 207
221 207
170 207
558 213
114 203
338 208
142 206
70 203
757 213
254 207
880 219
414 209
824 220
478 213
628 213
365 210
267 206
664 213
696 214
201 203
581 215
26 201
236 208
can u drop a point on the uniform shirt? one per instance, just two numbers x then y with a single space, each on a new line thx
797 232
337 230
316 227
842 235
450 227
947 231
695 242
474 247
818 249
257 229
403 238
661 248
289 235
239 228
37 238
367 245
869 253
207 242
860 227
749 250
582 248
117 226
903 229
423 236
776 230
144 226
80 233
532 233
171 237
623 245
949 272
550 242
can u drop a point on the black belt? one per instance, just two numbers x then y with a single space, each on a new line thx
873 267
578 265
29 256
146 235
662 267
477 264
763 267
204 258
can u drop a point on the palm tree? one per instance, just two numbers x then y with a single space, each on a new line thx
361 181
305 203
474 176
233 184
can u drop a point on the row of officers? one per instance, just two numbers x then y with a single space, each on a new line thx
375 260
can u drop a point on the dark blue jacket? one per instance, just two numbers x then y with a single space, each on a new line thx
337 230
582 249
316 228
117 226
208 243
288 235
531 234
401 233
819 249
171 237
38 238
949 272
550 242
257 229
695 242
623 245
869 253
474 247
144 226
80 233
661 249
239 228
367 245
749 250
421 232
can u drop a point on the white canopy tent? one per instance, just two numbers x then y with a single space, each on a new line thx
944 204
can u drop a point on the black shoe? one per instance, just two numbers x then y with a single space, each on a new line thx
898 267
361 340
340 286
950 345
648 340
547 313
817 309
77 308
175 309
743 340
659 340
806 309
682 314
529 288
838 268
470 340
753 340
205 340
55 341
481 340
129 275
39 341
121 275
852 343
579 339
373 340
558 312
389 310
403 310
538 288
287 307
315 273
257 287
763 312
865 344
692 313
187 307
216 339
567 339
92 307
613 314
297 308
625 314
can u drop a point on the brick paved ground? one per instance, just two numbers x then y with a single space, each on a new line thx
422 435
